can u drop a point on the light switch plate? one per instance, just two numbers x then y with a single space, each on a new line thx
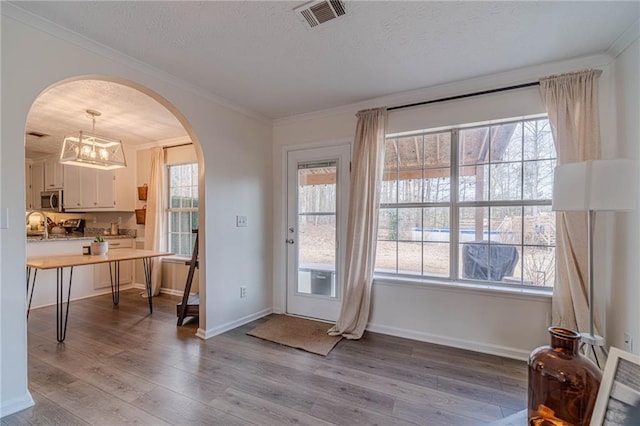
241 221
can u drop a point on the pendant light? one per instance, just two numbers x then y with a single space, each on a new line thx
90 150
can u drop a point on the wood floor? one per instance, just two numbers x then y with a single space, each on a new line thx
119 365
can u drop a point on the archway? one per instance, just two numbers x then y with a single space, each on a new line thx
75 95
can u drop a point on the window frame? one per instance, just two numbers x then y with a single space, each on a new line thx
169 209
454 205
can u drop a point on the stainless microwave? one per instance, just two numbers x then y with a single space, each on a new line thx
52 201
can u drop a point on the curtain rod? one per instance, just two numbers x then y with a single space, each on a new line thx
468 95
177 146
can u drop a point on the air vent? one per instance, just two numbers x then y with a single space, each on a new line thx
319 12
36 134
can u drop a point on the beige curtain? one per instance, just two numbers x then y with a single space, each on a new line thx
362 226
155 228
572 104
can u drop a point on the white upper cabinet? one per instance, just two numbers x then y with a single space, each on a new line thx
72 192
53 174
27 181
37 183
88 189
105 190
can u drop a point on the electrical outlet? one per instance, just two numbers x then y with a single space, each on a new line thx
628 342
243 292
119 220
241 221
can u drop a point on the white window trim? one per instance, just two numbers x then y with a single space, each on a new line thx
493 289
168 210
454 280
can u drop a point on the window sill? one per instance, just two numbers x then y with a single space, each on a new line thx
543 295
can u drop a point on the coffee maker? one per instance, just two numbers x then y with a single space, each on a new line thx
74 226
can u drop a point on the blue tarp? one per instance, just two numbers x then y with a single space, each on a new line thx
488 262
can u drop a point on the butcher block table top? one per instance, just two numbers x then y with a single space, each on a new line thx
67 260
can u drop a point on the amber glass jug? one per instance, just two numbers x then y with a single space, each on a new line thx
563 384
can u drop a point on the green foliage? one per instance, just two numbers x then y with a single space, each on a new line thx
98 239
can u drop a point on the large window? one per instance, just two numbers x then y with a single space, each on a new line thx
470 204
182 212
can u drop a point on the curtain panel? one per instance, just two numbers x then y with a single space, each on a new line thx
362 225
571 101
155 234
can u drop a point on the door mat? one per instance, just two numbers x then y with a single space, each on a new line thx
299 333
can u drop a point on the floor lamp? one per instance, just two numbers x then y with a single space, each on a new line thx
591 186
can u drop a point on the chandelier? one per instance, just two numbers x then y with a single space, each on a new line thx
90 150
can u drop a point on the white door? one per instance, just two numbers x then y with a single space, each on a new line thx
317 205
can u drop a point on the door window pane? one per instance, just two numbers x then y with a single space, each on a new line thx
317 228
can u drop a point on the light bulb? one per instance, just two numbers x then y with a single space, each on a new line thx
104 154
86 150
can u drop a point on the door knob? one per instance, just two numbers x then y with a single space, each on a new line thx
289 241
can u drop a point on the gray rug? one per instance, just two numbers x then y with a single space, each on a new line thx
299 333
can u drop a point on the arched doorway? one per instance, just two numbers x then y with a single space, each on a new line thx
143 120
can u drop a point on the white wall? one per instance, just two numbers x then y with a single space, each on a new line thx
235 173
623 309
493 322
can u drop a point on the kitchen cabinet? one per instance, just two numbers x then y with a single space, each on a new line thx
27 182
105 191
53 174
37 184
72 188
101 275
88 189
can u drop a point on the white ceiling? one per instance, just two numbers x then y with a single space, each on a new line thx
260 56
127 114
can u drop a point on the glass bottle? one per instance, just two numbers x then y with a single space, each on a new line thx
563 384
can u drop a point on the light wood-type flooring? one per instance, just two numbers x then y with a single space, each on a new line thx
120 365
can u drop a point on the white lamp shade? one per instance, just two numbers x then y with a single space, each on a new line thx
598 185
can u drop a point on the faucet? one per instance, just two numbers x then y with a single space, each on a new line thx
44 220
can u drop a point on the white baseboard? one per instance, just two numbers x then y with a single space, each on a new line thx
170 291
514 353
16 404
207 334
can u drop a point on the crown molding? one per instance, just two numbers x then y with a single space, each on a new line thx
13 11
487 82
630 35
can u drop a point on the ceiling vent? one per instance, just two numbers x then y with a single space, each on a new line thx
318 12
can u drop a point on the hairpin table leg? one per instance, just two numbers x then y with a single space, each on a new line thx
146 262
115 283
62 314
32 284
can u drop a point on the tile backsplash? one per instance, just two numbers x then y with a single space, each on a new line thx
99 222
